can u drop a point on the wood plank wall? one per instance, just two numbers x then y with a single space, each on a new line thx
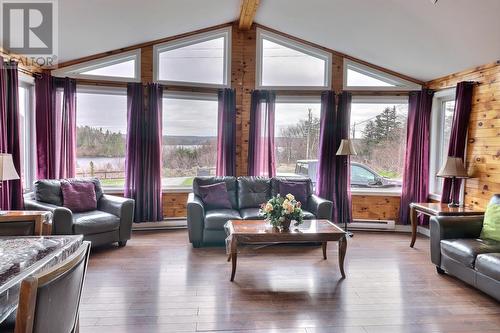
243 67
483 146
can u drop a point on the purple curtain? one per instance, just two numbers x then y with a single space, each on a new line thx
11 192
343 209
261 155
55 127
66 133
416 167
45 123
143 160
326 184
226 133
458 135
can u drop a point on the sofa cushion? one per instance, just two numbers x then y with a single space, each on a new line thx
307 186
49 191
253 191
79 196
297 189
491 224
96 181
250 214
489 265
216 218
466 250
308 215
231 186
215 196
94 222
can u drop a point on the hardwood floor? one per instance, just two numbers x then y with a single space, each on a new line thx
159 283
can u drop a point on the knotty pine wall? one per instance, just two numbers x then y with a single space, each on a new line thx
483 145
243 66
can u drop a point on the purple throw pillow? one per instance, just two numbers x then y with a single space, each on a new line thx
297 189
215 196
79 196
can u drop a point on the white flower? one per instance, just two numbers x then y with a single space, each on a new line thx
290 197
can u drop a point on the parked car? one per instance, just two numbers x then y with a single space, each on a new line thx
362 176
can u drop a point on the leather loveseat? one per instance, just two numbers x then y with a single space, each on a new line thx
246 194
111 222
457 249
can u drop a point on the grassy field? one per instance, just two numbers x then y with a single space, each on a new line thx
118 182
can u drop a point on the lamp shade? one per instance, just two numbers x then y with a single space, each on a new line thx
453 167
346 148
7 169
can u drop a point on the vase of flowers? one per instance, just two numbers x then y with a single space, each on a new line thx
280 211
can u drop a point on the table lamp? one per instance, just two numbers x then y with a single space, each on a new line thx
453 168
346 148
7 171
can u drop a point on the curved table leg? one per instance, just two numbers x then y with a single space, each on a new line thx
323 246
414 223
342 251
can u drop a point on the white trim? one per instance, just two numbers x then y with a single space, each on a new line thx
30 132
25 79
199 38
100 90
297 46
436 141
76 70
398 83
375 192
380 99
297 99
188 95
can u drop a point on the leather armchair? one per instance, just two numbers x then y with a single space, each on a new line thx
111 222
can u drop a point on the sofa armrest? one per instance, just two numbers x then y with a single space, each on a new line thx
195 219
121 207
452 227
321 208
62 217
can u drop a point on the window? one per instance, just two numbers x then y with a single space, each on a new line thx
201 60
189 131
283 63
120 67
361 77
101 129
26 124
297 124
443 109
378 130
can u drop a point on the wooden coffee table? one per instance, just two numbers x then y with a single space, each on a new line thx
260 232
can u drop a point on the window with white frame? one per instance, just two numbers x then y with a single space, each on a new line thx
378 131
26 125
361 77
443 109
296 138
101 129
189 144
201 60
120 67
283 63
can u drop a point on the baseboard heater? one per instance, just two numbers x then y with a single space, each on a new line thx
372 225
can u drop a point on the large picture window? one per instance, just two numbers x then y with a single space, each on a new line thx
189 147
297 137
26 134
378 129
101 130
201 60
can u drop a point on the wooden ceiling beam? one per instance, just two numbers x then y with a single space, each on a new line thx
247 13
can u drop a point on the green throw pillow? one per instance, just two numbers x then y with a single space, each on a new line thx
491 224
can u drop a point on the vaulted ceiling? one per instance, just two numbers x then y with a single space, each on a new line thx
413 37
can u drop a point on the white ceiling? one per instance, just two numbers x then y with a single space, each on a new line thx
412 37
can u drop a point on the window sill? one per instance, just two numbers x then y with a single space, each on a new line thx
376 192
111 190
436 197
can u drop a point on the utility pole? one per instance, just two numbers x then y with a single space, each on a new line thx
308 138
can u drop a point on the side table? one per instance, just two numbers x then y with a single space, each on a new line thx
40 219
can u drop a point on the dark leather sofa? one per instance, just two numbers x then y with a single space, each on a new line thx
206 227
110 223
456 249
